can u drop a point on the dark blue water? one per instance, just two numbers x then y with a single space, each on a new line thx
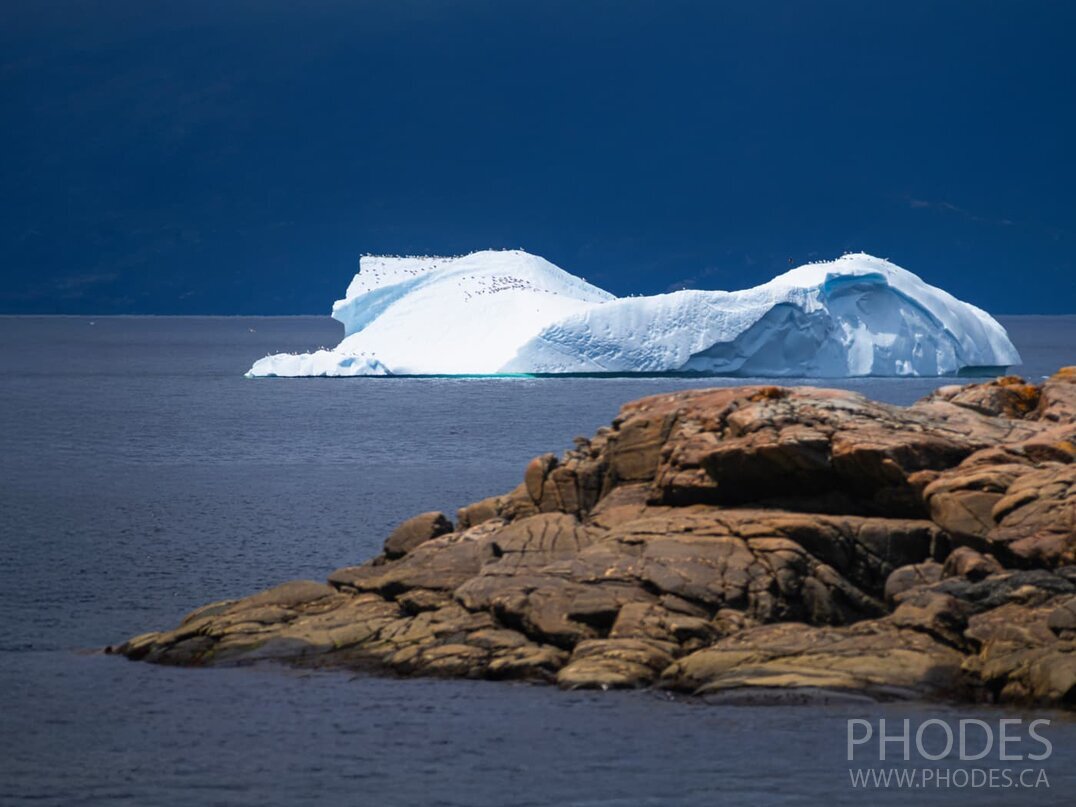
142 475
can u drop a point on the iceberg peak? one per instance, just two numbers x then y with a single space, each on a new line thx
510 312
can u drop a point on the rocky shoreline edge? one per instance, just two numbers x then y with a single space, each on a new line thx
747 544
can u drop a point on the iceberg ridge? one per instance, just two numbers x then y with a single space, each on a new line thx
509 312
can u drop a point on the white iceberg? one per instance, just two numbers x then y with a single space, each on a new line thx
494 313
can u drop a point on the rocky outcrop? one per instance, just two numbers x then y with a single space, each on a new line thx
743 544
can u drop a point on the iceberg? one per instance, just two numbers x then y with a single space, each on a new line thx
509 312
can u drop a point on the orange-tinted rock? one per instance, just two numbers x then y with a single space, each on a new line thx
1009 396
750 543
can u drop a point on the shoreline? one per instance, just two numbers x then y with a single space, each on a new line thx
762 543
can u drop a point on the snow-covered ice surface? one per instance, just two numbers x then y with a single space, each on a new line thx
442 316
494 312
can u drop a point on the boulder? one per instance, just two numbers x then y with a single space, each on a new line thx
1009 396
911 577
416 530
966 562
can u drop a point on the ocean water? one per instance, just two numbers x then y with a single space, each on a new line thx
141 475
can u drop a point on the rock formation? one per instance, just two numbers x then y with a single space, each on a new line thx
745 544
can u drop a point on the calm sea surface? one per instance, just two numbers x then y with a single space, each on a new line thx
141 475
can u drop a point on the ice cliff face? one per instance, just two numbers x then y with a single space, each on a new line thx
511 312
